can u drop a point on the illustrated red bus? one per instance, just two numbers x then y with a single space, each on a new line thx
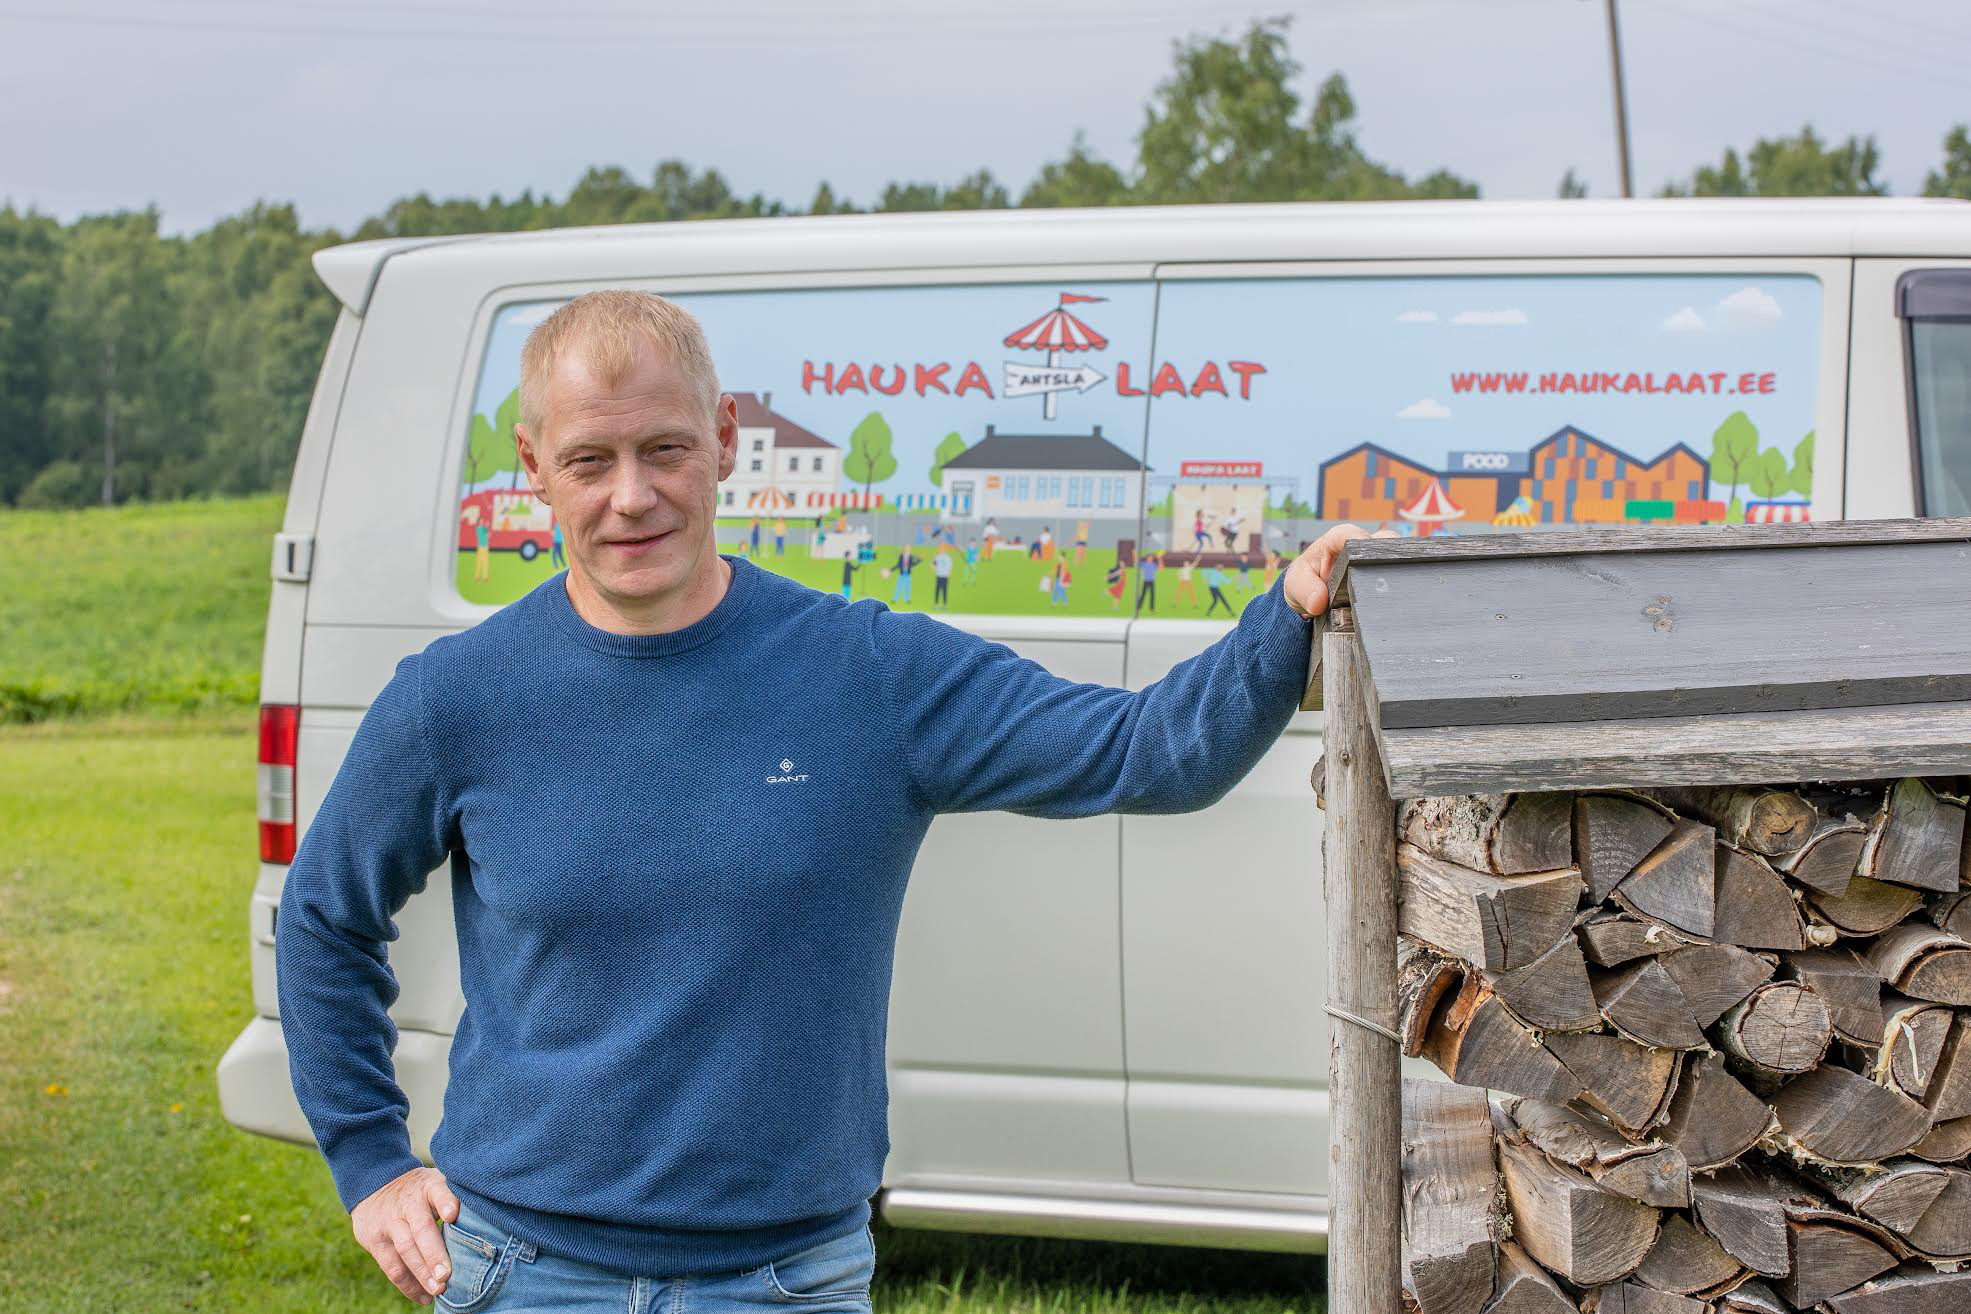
518 521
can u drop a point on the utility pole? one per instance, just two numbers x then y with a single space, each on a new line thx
1621 105
109 423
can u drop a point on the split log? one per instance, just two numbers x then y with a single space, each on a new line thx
1611 939
1894 1194
1424 981
1848 986
1925 962
1944 1230
1678 882
1781 1028
1913 1037
1525 1288
1713 977
1634 1298
1753 1297
1839 1117
1769 821
1653 1172
1952 912
1643 1002
1494 922
1587 1235
1867 907
1917 839
1831 1254
1474 1041
1947 1142
1827 862
1754 908
1948 1096
1686 1260
1318 779
1450 1190
1551 992
1612 833
1504 834
1911 1289
1627 1083
1745 1213
1713 1119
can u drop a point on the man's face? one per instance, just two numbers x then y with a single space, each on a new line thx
632 472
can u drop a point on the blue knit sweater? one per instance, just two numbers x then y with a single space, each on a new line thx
678 862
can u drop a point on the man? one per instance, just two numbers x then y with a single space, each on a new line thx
678 855
941 568
1148 589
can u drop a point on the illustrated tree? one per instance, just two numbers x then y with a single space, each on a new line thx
869 460
1767 475
490 442
949 447
1734 450
1801 479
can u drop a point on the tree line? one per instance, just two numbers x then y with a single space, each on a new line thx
139 365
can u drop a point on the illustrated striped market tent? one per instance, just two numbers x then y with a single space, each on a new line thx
845 501
769 499
1775 513
961 504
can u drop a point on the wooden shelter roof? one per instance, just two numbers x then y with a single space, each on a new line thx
1677 655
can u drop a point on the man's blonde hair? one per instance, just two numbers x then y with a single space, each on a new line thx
606 328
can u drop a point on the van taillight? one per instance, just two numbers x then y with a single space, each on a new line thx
275 780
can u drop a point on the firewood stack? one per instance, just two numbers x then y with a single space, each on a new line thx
1727 1032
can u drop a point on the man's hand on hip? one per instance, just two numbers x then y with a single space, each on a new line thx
396 1224
1306 584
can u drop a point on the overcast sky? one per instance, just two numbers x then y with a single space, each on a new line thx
204 106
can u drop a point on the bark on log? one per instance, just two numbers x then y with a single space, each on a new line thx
1781 1028
1552 992
1849 987
1774 822
1587 1235
1525 1288
1686 1260
1643 1002
1678 882
1450 1194
1840 1117
1925 962
1504 834
1713 1118
1494 922
1424 982
1754 910
1654 1172
1917 839
1911 1289
1713 977
1627 1083
1830 1257
1868 907
1475 1042
1914 1033
1611 939
1612 833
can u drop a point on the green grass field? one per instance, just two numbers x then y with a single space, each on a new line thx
144 606
126 855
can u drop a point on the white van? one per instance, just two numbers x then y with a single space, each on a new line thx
1108 1027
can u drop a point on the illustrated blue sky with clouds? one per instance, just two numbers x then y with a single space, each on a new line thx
1347 360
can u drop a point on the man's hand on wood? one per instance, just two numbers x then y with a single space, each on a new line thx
1306 584
396 1224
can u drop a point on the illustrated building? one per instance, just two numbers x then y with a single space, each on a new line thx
780 463
1083 476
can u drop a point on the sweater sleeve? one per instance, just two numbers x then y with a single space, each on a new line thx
384 825
983 728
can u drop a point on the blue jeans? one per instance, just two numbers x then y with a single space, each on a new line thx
499 1273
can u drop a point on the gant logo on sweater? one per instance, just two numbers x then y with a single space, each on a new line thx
787 775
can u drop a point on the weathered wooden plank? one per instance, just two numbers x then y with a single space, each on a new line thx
1364 1068
1853 743
1450 1190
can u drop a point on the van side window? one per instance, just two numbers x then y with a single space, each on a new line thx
1937 304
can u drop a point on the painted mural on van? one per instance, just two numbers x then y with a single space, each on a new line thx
1109 449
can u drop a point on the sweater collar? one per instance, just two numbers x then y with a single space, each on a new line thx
562 613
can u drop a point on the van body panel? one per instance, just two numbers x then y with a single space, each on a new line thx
1104 1027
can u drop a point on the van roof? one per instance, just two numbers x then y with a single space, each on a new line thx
1185 234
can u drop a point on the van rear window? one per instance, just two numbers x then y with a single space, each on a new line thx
1937 303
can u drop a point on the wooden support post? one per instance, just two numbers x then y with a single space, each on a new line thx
1364 1067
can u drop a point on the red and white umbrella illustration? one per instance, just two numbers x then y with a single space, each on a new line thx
1054 332
769 499
1431 510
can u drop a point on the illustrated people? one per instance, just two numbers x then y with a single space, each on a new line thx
941 570
561 1137
991 536
1186 587
1081 543
1272 569
849 568
1198 532
972 561
920 533
753 537
1115 585
482 538
780 536
556 557
906 562
1148 588
1059 596
1230 529
1215 581
1245 568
